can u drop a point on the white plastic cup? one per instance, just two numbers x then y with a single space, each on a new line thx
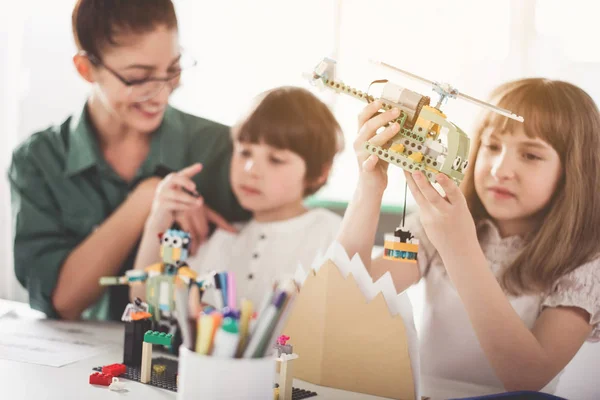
213 378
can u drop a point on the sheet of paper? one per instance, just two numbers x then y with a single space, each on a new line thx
48 342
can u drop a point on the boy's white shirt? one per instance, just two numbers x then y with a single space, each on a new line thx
269 251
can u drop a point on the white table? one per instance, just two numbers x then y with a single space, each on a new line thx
34 382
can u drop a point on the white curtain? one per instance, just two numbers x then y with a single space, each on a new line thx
11 34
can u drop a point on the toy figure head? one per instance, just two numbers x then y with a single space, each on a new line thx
174 245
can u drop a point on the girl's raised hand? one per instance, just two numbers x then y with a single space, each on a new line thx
373 171
447 220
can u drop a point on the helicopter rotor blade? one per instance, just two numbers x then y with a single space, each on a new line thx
410 75
491 107
499 110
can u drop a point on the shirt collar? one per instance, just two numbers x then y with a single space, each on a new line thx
488 229
168 147
295 224
83 151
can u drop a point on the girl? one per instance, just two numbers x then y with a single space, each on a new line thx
283 152
510 263
82 191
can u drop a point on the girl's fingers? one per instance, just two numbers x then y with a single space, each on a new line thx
368 112
453 193
370 163
429 193
370 127
416 192
386 135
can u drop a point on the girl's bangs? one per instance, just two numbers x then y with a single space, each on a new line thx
541 113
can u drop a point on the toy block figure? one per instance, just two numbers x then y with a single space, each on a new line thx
160 281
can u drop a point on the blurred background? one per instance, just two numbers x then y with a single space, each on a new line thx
244 48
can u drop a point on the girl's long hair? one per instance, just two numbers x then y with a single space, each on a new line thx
568 235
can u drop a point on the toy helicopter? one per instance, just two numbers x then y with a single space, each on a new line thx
426 141
160 278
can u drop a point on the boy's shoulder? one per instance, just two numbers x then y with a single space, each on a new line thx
324 215
323 222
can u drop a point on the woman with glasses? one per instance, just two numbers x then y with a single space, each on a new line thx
82 191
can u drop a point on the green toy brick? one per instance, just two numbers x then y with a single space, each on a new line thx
156 337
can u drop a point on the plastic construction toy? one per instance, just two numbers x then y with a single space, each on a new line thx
426 141
114 369
99 378
282 347
400 246
166 380
160 280
150 338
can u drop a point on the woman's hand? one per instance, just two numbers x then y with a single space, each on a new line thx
170 197
196 221
177 200
447 220
373 171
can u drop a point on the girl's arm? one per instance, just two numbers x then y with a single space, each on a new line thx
523 359
357 233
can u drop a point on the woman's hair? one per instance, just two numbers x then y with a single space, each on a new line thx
566 117
96 23
292 118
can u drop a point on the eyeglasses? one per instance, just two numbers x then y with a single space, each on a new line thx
144 89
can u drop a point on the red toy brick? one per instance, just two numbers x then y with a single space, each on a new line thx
114 369
98 378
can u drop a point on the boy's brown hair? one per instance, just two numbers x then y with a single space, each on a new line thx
567 118
292 118
97 23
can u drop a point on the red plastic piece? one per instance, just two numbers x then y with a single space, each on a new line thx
98 378
114 369
282 340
